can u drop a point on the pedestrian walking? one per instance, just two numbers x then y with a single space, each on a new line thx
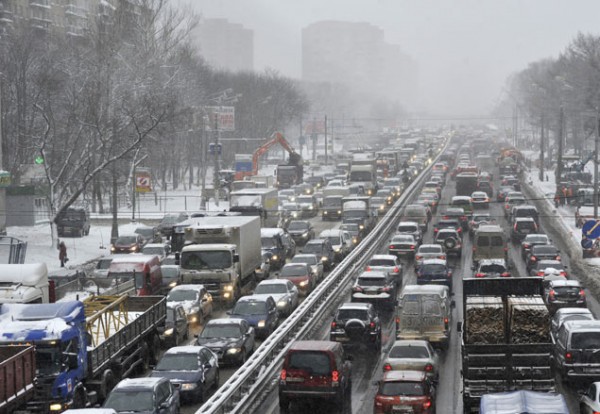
62 253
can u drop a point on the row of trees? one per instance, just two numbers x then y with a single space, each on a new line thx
131 89
560 97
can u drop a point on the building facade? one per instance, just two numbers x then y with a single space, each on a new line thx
225 45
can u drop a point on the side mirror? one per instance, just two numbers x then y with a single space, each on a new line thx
473 267
236 258
459 326
71 360
453 303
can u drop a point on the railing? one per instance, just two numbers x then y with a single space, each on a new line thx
246 388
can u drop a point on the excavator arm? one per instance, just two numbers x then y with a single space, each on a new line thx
276 138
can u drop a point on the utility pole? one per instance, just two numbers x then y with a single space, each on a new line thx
314 138
559 160
596 166
216 151
2 190
542 144
326 158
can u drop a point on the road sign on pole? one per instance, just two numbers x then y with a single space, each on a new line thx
591 229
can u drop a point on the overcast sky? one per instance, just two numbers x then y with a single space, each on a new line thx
465 49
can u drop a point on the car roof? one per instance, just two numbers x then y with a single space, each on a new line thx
253 298
434 261
565 282
583 325
409 342
490 228
431 245
143 382
270 231
411 376
435 289
355 305
302 255
373 274
330 233
384 257
492 261
406 223
197 288
573 311
273 282
404 236
224 321
189 349
314 346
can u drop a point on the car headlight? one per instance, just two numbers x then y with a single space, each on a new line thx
134 248
274 257
233 351
189 386
282 304
310 207
324 258
294 214
292 199
304 283
382 207
325 212
173 284
361 226
354 240
304 235
195 309
113 249
228 288
261 324
339 211
169 332
56 407
338 249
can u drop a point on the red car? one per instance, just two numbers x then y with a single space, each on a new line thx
405 392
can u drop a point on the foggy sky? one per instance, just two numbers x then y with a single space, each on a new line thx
465 49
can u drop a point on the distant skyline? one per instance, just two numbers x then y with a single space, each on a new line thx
465 49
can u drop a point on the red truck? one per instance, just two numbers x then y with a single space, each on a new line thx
17 376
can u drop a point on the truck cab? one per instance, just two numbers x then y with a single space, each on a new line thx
143 269
24 283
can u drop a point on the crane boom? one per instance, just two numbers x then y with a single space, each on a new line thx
276 138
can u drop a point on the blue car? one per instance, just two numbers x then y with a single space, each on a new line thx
259 311
434 271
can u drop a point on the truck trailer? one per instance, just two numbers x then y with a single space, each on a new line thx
17 376
506 344
223 254
260 202
83 349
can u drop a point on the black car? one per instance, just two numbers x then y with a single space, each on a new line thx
323 250
377 287
434 271
165 227
450 239
144 395
532 240
541 252
176 329
356 324
448 224
457 213
301 231
73 222
522 226
194 370
232 340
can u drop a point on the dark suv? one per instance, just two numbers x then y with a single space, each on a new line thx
323 250
355 324
73 222
522 226
315 369
377 287
541 252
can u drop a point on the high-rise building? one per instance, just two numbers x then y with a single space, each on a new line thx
226 45
357 54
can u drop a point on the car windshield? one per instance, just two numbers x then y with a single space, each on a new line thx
370 281
492 268
308 259
334 240
346 314
433 268
181 295
478 219
103 264
315 248
547 250
169 220
388 388
382 262
169 272
206 259
407 229
535 238
567 290
159 251
178 362
125 240
430 249
545 265
353 228
298 225
585 340
267 242
312 363
290 271
270 288
250 308
221 331
409 351
147 233
130 400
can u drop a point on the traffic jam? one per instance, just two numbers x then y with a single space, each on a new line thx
465 305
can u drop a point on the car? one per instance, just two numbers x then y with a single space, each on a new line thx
532 240
128 243
231 339
429 251
304 189
386 263
486 187
354 230
336 183
502 192
171 275
323 250
576 350
448 224
434 271
524 210
544 267
260 311
193 370
264 270
376 287
522 227
195 299
563 315
480 199
291 211
301 275
589 400
340 241
308 205
492 268
402 245
478 219
284 292
315 370
386 194
512 201
161 250
356 324
412 228
408 391
149 233
100 272
451 240
458 213
433 185
314 262
301 231
378 204
541 252
413 355
429 199
565 293
144 395
288 193
464 202
165 227
317 181
176 328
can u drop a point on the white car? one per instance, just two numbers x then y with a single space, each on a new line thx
589 402
195 299
284 293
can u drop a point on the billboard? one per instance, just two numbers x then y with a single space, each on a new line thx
221 116
143 182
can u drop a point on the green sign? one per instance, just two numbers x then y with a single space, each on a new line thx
4 179
39 159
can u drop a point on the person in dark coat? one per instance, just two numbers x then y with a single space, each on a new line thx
62 253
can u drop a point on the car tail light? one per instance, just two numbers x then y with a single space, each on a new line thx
335 376
540 273
568 356
442 257
463 218
412 247
333 324
557 258
427 404
418 257
533 259
372 325
515 227
392 246
551 294
479 274
396 269
387 367
581 293
368 268
435 230
526 246
428 368
505 274
446 321
283 375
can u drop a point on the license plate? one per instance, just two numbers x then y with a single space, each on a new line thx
371 292
525 231
342 339
402 408
295 379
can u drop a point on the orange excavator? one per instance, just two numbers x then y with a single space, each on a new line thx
287 174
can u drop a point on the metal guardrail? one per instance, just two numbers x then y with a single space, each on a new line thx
244 389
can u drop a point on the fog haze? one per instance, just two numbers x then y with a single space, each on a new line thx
464 49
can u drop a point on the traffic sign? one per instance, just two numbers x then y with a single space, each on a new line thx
591 229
